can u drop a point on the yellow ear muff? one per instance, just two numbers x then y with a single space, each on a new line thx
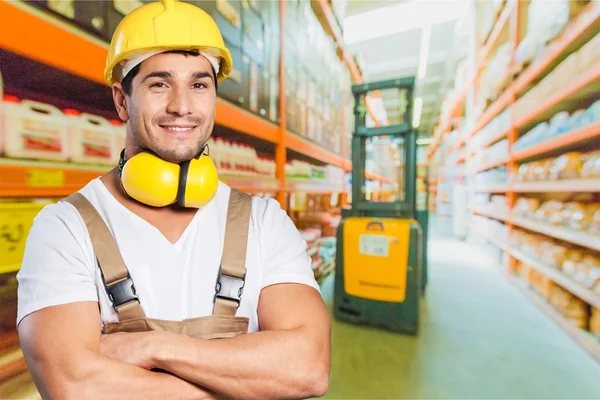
150 180
198 183
159 183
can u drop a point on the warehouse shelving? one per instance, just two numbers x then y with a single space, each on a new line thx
583 239
562 142
33 34
571 185
558 277
490 214
575 90
332 26
586 340
580 89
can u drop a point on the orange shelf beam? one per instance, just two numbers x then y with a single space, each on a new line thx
567 139
304 146
39 39
565 186
44 180
586 20
40 179
238 119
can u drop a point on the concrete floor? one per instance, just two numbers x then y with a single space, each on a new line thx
480 338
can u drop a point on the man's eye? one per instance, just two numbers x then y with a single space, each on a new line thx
158 85
199 85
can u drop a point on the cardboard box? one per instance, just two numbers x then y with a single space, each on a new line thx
231 89
302 119
228 16
274 110
253 40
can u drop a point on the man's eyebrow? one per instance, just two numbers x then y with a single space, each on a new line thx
200 75
158 74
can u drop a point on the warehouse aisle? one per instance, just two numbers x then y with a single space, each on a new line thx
477 340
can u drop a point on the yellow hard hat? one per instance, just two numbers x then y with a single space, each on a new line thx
166 25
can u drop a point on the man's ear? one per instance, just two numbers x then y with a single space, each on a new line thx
120 101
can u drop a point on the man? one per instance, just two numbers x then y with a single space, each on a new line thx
164 65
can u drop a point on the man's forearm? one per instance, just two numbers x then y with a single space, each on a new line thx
269 364
99 377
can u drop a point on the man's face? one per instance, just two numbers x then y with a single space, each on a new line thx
172 105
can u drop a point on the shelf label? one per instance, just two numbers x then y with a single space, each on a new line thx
374 245
39 178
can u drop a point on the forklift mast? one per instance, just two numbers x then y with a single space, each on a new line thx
405 205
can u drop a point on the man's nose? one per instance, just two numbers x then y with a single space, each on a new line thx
180 102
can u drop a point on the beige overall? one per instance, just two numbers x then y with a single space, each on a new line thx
121 290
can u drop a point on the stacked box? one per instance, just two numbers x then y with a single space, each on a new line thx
254 57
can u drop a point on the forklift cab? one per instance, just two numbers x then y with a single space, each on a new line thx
379 262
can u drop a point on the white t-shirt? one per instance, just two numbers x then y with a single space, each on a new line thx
173 281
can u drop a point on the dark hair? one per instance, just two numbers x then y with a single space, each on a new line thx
128 80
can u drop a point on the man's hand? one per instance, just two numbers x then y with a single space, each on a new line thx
130 348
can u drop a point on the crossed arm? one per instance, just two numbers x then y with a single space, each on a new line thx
289 358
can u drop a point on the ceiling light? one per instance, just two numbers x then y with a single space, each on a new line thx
398 18
417 112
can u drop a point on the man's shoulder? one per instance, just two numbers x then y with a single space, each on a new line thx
63 212
263 208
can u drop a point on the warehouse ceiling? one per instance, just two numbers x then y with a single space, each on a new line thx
394 46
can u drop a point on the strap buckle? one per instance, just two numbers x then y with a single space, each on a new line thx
121 292
230 288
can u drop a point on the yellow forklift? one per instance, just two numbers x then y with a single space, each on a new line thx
381 250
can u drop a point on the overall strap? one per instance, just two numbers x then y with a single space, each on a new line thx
232 274
115 275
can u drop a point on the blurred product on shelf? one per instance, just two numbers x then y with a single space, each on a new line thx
91 138
543 25
233 158
492 130
495 153
494 176
571 165
576 214
560 124
493 204
569 306
34 130
16 219
497 75
578 65
594 327
491 228
548 251
119 140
